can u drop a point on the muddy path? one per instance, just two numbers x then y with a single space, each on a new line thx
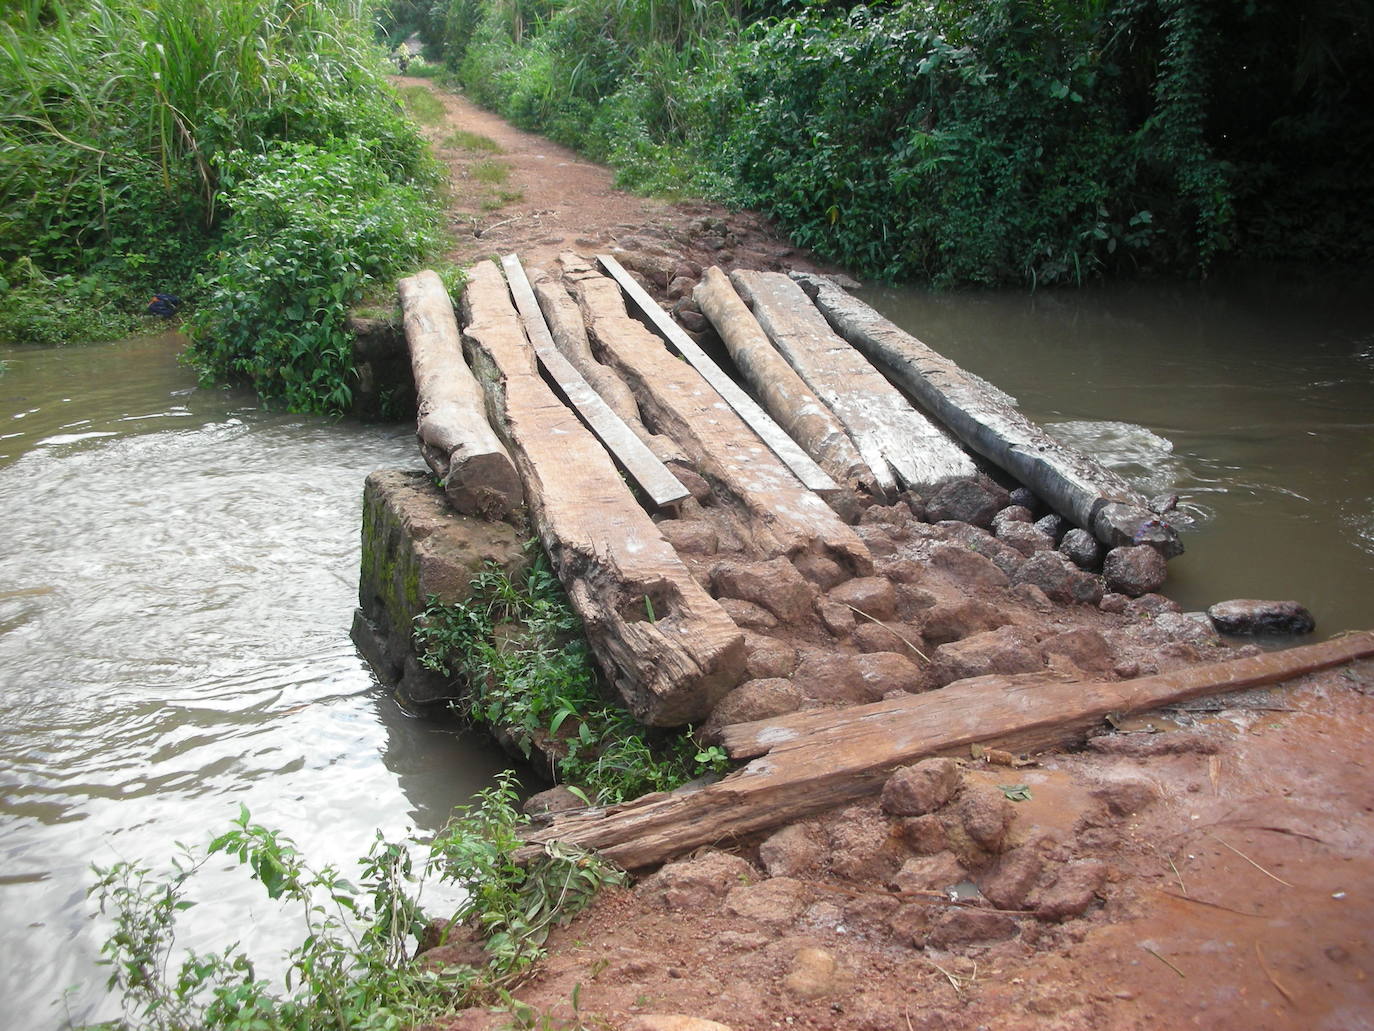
1209 866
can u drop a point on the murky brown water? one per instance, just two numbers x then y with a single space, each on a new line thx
178 570
1252 398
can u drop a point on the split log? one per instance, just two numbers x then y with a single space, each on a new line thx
637 460
801 464
898 442
1073 484
785 517
811 768
455 438
664 643
790 401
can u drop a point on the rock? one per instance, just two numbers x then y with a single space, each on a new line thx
693 536
1025 538
872 595
1073 891
1134 570
558 799
965 567
920 789
681 286
693 321
1249 616
870 637
1081 548
766 657
870 912
1032 596
876 539
1126 794
953 621
1086 649
824 572
700 882
985 817
862 844
1052 526
886 515
775 902
1113 602
924 835
1011 514
1009 649
995 490
910 924
450 945
836 618
747 615
796 850
830 677
1026 498
757 700
916 503
902 570
1187 627
964 500
969 927
775 585
1151 605
1059 578
812 975
671 1022
1144 746
929 873
1008 883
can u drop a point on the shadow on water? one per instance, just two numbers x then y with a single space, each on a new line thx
176 585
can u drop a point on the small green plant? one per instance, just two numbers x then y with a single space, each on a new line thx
462 139
422 105
518 648
490 171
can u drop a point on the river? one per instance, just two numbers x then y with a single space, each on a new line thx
177 577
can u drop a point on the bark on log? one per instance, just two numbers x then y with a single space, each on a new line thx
628 450
455 438
785 517
789 400
809 770
898 442
666 645
1073 484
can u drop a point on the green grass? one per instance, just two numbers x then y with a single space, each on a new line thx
490 171
462 139
422 105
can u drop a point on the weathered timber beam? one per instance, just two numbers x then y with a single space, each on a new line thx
785 518
642 464
1074 484
802 465
455 438
788 400
893 437
808 771
665 644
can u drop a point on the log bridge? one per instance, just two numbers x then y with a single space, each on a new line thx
718 528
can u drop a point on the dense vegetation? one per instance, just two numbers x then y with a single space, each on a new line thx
245 155
957 141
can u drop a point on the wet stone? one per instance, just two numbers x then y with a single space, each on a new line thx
964 500
1081 548
1134 570
1250 616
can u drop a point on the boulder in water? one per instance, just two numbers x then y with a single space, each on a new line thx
1249 616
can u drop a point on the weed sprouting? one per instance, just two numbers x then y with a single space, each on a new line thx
462 139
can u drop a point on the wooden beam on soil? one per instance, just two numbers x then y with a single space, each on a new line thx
455 438
785 518
899 444
666 645
788 399
983 417
802 465
816 761
643 466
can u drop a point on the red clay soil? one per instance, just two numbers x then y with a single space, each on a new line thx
1206 867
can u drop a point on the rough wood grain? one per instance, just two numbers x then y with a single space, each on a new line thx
789 400
984 418
634 457
666 645
455 438
807 770
798 461
784 517
899 444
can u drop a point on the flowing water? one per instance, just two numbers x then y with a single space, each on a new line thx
178 569
1251 398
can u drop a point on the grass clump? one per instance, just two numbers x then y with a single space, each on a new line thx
490 171
462 139
351 969
519 649
422 105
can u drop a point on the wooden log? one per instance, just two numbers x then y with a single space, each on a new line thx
1073 484
455 438
629 451
899 444
798 461
788 400
785 518
663 642
809 770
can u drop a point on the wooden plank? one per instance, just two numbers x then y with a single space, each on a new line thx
899 444
663 642
788 399
1075 485
653 476
784 517
808 771
455 439
802 465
